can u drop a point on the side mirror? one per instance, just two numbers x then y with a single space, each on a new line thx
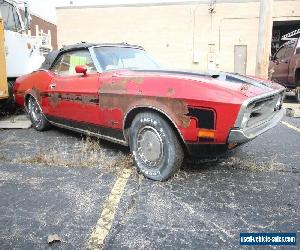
81 69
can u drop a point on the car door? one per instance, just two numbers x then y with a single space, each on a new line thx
73 97
281 63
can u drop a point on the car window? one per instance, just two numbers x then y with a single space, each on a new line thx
111 58
281 53
66 63
10 17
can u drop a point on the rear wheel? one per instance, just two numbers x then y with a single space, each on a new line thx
156 150
36 115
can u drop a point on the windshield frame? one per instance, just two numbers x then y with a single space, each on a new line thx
97 64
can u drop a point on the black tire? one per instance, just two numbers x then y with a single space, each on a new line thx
38 120
155 148
8 105
10 85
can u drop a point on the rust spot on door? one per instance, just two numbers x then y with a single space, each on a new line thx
54 99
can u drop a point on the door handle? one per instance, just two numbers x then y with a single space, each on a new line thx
52 86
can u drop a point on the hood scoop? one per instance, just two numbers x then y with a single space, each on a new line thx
246 81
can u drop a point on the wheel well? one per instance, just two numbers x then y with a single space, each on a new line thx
130 116
297 77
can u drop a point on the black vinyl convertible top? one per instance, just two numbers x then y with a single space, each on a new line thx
52 55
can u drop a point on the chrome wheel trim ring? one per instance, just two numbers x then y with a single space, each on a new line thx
150 146
34 111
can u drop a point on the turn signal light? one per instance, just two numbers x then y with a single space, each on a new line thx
205 133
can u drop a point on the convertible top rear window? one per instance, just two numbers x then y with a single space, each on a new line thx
111 58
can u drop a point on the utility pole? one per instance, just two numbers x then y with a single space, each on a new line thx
264 38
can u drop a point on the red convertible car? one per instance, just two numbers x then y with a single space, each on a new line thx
119 93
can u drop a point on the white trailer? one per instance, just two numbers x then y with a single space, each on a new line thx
22 51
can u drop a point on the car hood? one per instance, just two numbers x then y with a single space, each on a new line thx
246 85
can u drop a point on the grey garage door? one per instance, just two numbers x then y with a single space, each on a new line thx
240 59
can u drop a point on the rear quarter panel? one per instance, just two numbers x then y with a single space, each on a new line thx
34 84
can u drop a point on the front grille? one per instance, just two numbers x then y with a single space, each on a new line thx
264 109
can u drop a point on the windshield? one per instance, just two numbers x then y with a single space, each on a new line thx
111 58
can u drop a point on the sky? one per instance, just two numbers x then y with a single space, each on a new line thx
46 8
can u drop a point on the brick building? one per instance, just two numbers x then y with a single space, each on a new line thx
41 25
44 28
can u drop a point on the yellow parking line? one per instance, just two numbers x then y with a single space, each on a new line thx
105 221
290 126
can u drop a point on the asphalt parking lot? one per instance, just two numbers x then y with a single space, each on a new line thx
59 182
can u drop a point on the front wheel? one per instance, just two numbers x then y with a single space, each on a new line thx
36 115
156 150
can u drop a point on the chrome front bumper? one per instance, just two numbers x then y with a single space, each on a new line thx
239 136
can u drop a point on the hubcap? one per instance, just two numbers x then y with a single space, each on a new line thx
150 146
34 111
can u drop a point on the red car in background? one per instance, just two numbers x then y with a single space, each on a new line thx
119 93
